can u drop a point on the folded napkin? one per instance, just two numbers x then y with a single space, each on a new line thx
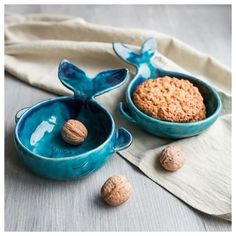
35 44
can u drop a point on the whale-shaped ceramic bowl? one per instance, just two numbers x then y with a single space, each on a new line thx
146 70
37 133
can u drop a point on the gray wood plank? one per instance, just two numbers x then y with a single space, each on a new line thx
37 204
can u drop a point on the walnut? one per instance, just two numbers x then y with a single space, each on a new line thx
116 190
74 132
172 158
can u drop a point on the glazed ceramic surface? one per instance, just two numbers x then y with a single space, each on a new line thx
146 70
37 134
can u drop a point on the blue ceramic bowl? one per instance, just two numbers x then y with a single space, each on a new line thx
37 132
146 70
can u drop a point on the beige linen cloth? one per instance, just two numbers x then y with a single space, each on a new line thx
35 44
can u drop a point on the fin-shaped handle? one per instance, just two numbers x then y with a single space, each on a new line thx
20 113
142 59
123 139
109 79
125 112
84 87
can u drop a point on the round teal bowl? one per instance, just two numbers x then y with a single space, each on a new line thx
146 70
37 133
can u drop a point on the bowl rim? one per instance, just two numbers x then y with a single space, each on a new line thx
168 123
82 155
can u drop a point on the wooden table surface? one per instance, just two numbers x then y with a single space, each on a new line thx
33 203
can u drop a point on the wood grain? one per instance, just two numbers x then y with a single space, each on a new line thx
37 204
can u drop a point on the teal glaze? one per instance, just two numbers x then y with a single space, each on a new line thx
146 70
37 133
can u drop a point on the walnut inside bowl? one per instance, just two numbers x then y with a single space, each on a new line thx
74 132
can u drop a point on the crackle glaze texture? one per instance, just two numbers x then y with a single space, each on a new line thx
146 70
37 133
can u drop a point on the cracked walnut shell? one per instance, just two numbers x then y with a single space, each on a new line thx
116 190
74 132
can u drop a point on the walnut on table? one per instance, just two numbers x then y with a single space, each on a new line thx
172 158
116 190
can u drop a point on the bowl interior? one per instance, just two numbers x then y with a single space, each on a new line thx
210 97
39 129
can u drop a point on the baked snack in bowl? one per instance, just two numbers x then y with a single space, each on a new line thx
170 120
170 99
